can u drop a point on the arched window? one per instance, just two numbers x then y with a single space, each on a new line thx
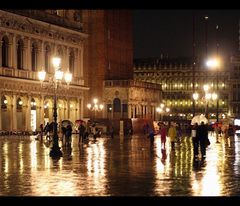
71 62
34 56
5 43
116 105
47 57
20 45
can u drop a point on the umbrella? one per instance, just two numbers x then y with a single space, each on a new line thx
66 122
198 119
79 121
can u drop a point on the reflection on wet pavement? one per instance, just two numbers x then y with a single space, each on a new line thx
118 167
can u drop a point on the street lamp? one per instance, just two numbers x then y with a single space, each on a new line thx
95 106
214 63
207 97
54 82
162 110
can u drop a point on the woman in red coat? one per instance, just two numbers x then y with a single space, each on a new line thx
163 133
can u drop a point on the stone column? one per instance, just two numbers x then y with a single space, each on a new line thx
1 53
14 113
80 109
1 112
129 111
41 60
68 109
66 59
12 51
28 114
27 57
41 110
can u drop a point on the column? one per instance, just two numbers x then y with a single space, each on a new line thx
0 111
41 60
1 52
41 108
81 61
66 66
12 51
50 109
68 109
129 111
13 113
28 115
27 55
80 107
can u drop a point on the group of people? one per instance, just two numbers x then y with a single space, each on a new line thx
199 135
200 138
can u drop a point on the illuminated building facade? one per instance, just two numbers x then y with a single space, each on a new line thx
176 78
29 40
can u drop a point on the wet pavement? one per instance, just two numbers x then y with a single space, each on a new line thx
129 166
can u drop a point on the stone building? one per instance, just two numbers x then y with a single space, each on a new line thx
176 78
29 40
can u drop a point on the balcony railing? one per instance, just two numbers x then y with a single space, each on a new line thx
31 75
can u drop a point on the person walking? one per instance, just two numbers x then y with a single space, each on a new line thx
68 135
195 140
172 134
81 133
163 133
202 131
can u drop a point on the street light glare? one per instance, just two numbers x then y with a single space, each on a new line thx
56 62
213 63
41 75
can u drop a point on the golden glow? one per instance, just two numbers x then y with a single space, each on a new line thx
68 77
195 96
41 75
213 63
95 100
205 87
59 75
56 62
5 101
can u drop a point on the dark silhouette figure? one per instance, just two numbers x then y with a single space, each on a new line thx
81 130
202 133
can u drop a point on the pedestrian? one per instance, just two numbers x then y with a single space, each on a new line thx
47 130
151 136
195 140
68 135
81 133
163 133
172 133
202 131
216 127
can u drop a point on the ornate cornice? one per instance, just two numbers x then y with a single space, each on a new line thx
40 29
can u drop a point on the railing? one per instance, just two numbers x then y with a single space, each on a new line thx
30 75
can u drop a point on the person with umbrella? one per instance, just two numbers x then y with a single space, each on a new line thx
202 136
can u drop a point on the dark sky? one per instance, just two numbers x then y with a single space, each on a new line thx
170 32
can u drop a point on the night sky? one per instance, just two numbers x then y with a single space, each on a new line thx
170 32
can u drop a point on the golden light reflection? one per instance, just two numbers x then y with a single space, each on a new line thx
20 152
6 162
95 160
33 152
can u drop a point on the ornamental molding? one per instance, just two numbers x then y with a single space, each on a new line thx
40 29
11 86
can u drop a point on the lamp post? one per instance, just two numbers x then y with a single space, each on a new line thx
54 83
215 63
162 109
95 107
207 97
